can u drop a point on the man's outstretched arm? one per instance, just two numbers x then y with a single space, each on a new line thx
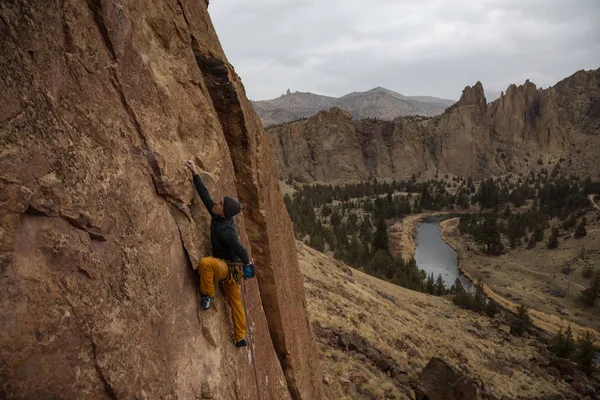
200 187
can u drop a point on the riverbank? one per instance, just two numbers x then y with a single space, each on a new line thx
497 274
402 234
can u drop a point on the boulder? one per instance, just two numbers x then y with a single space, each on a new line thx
563 365
441 381
355 342
383 364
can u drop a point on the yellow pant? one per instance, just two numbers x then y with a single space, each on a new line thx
210 268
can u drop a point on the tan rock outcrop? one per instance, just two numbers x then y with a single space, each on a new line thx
472 138
100 105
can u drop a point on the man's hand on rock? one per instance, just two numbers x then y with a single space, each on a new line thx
190 164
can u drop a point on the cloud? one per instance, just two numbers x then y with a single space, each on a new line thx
426 47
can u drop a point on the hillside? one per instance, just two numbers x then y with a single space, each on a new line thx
378 103
526 128
101 103
375 338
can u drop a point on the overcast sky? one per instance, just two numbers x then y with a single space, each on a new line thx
423 47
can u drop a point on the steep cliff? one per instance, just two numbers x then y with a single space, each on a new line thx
101 102
526 126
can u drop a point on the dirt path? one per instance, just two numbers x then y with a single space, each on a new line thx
401 236
591 197
541 273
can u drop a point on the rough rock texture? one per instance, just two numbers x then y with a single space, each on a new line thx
375 103
441 381
472 138
101 102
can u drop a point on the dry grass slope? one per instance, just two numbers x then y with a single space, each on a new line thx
409 328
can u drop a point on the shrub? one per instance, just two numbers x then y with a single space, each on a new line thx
491 309
587 272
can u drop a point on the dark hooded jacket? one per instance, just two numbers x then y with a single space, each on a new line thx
224 236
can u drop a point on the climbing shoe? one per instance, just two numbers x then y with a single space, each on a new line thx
241 343
205 302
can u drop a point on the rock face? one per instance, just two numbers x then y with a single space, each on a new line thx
441 381
100 105
524 126
375 103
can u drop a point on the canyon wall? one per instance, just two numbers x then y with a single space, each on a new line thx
525 128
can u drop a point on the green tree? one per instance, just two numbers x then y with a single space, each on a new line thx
316 242
326 211
588 296
479 299
335 218
491 308
563 344
380 240
570 222
580 231
587 352
522 322
488 234
430 284
380 263
440 288
553 239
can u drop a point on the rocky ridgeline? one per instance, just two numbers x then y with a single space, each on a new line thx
375 103
101 103
525 128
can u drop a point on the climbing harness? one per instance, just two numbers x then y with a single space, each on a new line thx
236 271
250 339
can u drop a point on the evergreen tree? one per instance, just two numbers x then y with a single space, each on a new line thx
316 242
335 218
380 263
457 287
538 234
522 322
587 352
440 288
553 239
380 240
570 222
430 284
326 211
563 343
479 300
491 308
588 296
580 231
488 234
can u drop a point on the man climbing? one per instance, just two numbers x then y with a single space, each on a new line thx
228 256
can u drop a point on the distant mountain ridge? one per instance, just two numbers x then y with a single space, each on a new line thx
377 103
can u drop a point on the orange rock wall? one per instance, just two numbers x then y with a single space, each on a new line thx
101 103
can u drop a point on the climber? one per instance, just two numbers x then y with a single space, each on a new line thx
228 256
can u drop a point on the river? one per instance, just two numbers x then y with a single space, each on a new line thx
434 255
